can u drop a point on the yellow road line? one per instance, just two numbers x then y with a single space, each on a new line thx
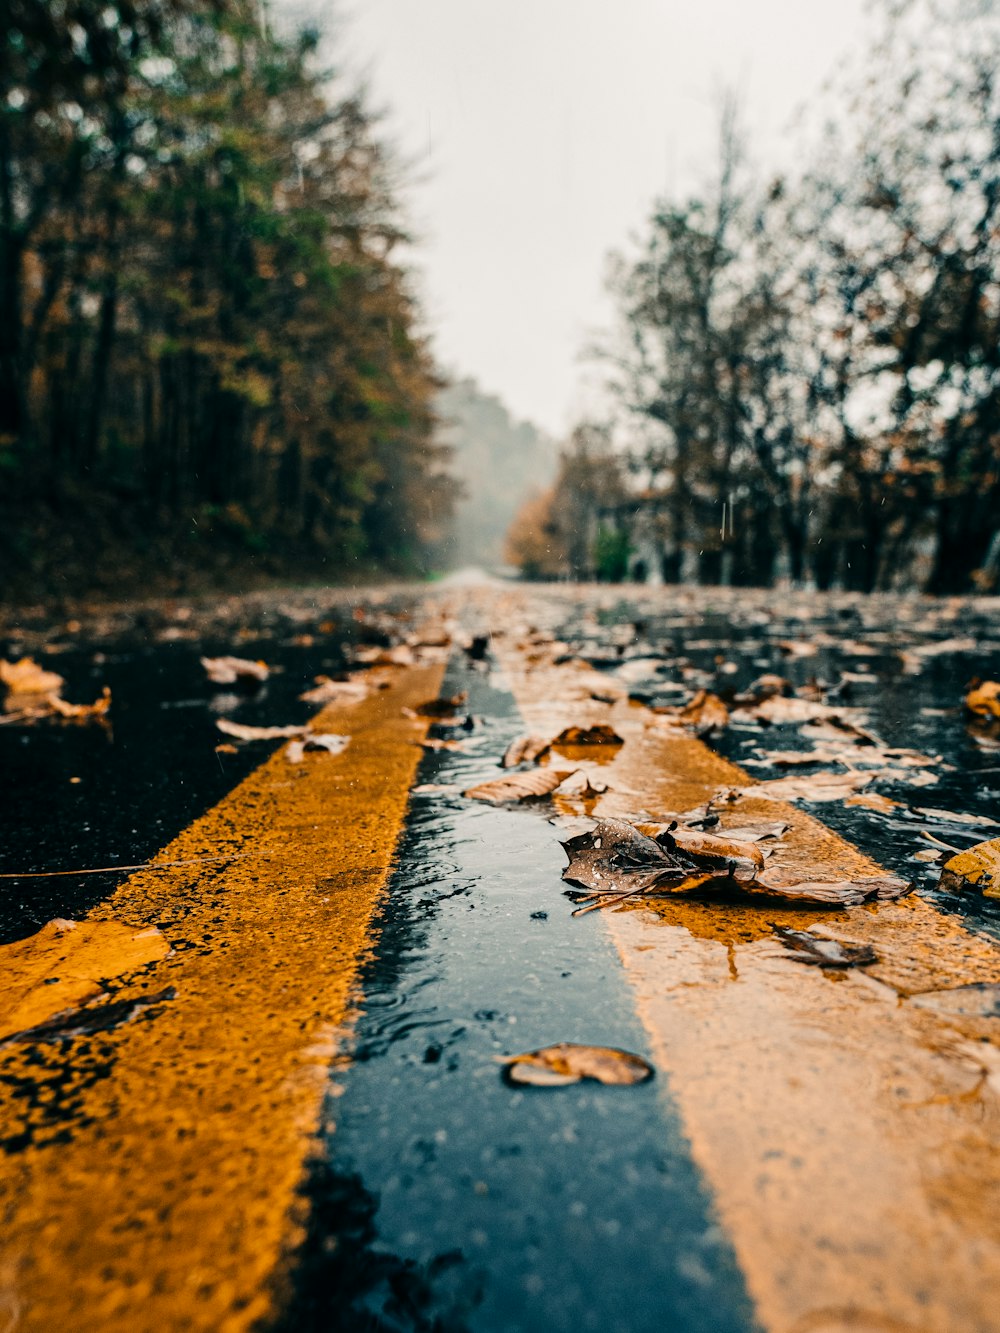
173 1205
846 1129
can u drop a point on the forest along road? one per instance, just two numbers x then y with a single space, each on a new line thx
261 1082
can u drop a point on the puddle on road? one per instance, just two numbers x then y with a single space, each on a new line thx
450 1200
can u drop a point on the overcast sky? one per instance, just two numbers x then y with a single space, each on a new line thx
541 131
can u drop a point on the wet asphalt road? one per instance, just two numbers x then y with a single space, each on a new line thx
445 1201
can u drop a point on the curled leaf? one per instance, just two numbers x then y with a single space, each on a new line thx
524 750
556 1066
81 712
704 714
528 786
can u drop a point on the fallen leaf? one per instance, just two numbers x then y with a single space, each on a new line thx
796 647
91 1019
436 743
524 750
703 714
427 788
65 964
874 800
226 748
27 677
978 868
805 947
718 849
615 857
244 733
328 741
825 786
780 710
229 670
797 886
526 786
557 1066
983 699
329 691
953 817
600 734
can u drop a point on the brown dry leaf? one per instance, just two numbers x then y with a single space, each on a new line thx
26 677
804 947
524 750
789 884
240 732
323 740
978 869
559 1065
528 786
329 691
65 964
825 786
436 743
983 699
600 734
720 850
230 670
81 712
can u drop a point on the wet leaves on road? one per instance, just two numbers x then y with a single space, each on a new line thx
33 693
531 785
616 860
804 947
565 1063
977 869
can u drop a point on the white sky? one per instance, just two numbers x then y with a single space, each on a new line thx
541 131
